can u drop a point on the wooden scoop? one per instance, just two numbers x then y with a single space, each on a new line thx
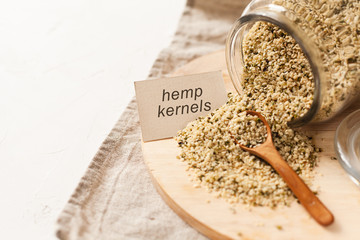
268 152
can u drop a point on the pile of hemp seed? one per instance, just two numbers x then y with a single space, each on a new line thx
277 82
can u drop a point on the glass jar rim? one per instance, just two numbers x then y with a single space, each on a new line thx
276 17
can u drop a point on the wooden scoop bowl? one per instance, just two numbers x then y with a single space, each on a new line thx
307 198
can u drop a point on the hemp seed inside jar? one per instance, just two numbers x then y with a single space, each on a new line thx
326 32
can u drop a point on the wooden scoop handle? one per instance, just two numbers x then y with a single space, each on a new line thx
268 152
307 198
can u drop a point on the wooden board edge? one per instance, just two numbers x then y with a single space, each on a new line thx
184 215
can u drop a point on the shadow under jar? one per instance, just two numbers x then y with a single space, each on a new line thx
328 33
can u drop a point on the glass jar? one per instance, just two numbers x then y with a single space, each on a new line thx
328 32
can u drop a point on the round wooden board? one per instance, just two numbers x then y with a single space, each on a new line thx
217 219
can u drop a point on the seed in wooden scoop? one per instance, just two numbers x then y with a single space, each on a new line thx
248 129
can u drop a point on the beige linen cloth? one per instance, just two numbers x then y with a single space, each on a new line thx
115 199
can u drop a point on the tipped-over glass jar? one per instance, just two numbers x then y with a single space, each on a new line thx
328 33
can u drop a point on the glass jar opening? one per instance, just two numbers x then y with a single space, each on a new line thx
235 55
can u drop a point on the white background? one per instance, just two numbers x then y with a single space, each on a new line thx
66 72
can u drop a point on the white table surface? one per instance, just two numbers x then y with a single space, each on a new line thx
66 72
